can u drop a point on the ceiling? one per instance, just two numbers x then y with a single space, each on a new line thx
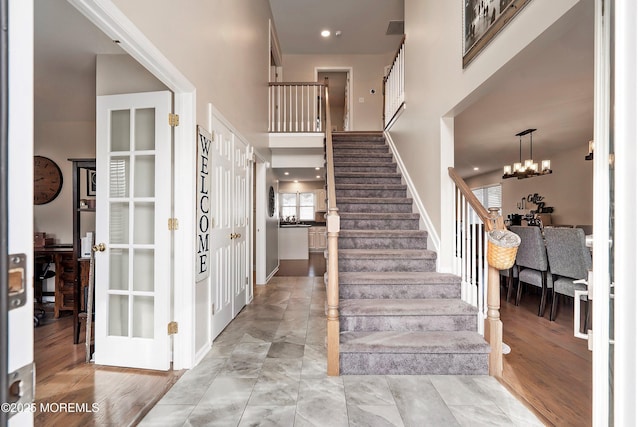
299 174
363 27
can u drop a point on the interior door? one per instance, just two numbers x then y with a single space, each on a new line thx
240 227
222 234
16 195
133 266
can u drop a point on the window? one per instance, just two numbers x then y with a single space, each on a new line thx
298 205
490 196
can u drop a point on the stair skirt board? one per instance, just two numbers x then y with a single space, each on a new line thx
398 316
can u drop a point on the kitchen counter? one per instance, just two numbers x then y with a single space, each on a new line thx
293 241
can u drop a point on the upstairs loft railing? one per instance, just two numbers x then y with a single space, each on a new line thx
333 230
393 88
480 281
297 107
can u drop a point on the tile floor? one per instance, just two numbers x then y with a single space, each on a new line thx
268 368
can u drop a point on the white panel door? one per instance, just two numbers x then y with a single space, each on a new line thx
133 165
240 226
222 233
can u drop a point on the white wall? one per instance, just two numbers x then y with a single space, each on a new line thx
436 84
368 71
569 189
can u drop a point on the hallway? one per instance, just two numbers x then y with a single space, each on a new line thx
268 367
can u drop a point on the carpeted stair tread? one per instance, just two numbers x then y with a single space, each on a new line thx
373 200
338 155
413 342
367 175
370 187
387 254
396 278
378 215
406 307
383 233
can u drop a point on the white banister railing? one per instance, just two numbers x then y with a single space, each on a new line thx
393 88
296 107
480 281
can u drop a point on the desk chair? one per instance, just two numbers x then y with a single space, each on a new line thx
42 271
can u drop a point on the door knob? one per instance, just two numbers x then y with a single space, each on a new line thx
100 247
238 235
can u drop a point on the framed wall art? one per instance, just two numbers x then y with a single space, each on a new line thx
483 19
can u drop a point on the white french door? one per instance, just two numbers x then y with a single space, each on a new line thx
230 206
133 268
222 229
240 226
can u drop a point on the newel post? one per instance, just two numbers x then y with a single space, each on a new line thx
493 324
333 315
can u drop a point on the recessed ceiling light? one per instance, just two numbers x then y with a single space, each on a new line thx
286 173
318 176
325 33
317 169
476 168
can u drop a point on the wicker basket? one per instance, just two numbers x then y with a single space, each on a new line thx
502 248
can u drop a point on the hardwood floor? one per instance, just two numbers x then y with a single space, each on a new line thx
547 368
314 266
121 396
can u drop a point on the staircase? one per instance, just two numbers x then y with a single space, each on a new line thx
398 316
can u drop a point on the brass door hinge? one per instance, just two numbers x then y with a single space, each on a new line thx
172 224
174 120
172 328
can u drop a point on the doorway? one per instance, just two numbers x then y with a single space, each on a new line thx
340 96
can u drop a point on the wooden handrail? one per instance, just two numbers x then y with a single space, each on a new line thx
333 229
493 324
480 210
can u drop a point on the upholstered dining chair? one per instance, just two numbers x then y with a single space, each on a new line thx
531 261
569 260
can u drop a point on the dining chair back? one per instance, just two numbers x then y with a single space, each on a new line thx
569 260
531 260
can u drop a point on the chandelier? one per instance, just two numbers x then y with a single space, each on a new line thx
528 168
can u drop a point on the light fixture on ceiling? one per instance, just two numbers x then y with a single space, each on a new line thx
325 33
590 155
528 168
286 173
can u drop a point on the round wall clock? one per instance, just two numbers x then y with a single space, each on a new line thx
272 201
47 180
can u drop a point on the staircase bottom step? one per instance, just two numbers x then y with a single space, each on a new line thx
413 353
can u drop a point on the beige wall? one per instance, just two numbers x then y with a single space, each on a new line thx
368 71
569 189
436 84
290 186
117 74
61 140
222 47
